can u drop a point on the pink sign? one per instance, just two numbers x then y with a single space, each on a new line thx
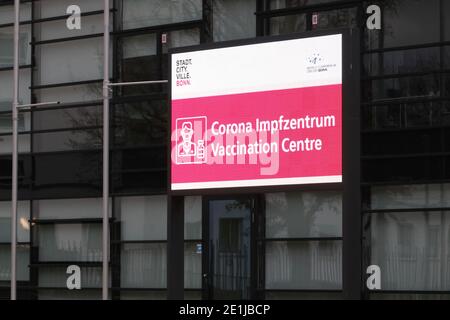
262 133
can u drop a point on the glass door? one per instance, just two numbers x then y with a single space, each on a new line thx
229 248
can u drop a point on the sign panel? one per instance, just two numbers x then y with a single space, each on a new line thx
261 114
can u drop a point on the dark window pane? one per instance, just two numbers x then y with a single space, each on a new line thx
68 118
139 63
383 143
385 116
404 87
287 24
280 4
409 296
403 170
334 19
72 174
292 295
68 140
141 123
410 22
446 15
406 61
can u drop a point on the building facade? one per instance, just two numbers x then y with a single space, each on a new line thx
286 244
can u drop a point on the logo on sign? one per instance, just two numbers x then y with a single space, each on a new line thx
318 64
191 140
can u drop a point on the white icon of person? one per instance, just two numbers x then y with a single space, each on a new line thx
187 148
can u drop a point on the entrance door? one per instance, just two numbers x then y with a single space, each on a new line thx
229 248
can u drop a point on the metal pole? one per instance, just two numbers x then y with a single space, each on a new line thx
15 151
105 278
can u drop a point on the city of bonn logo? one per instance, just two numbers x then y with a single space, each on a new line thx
317 63
191 140
315 59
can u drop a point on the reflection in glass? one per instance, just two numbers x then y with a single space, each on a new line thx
304 265
144 218
233 19
141 123
70 242
193 217
411 249
287 24
23 261
23 226
143 265
303 214
145 13
229 249
192 266
410 196
401 27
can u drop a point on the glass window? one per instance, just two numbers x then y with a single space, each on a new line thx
143 295
70 242
6 144
410 22
56 8
411 249
281 4
405 61
57 29
68 140
287 24
143 265
75 60
6 88
144 13
411 196
193 218
341 18
141 123
405 87
140 62
23 225
289 295
303 214
233 19
64 294
80 176
7 46
386 116
408 296
56 277
23 261
67 118
144 218
192 266
7 13
304 265
70 94
446 22
70 209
